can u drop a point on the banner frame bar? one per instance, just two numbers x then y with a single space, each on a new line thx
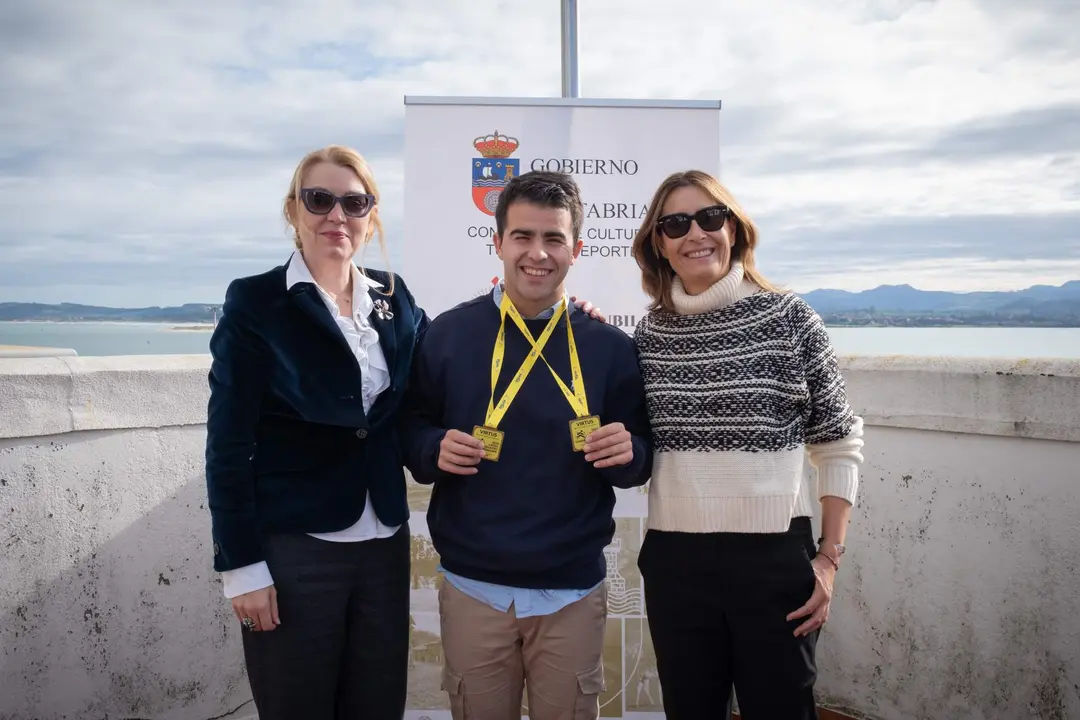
570 76
564 102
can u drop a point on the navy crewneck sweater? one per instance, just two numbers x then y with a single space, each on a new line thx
540 516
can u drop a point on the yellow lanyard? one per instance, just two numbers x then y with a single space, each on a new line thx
495 412
578 402
577 399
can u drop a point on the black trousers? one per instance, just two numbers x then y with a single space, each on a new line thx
717 605
342 649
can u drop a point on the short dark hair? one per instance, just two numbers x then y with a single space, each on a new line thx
545 188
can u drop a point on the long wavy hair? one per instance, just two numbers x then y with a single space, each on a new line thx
344 157
657 275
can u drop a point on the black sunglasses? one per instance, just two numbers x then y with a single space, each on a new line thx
708 219
321 202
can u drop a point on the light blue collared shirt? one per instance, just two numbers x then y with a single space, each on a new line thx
527 602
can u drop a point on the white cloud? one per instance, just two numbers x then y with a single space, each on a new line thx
146 138
928 188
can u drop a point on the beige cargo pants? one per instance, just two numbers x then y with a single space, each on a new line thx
491 657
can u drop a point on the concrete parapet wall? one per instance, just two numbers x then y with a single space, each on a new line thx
986 396
52 396
1003 397
955 599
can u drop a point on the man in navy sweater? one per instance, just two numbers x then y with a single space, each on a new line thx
524 472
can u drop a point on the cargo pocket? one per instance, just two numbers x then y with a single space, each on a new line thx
590 684
451 683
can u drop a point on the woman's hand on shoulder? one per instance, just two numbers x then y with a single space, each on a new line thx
588 308
259 605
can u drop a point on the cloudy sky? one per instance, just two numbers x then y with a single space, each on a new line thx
144 147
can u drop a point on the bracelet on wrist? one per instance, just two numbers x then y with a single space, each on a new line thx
838 548
836 565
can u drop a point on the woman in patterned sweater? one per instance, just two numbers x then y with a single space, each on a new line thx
742 383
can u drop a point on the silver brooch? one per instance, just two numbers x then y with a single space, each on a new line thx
382 309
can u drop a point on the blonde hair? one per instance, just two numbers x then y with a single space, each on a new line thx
344 157
657 274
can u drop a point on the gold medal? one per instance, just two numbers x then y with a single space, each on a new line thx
492 439
580 429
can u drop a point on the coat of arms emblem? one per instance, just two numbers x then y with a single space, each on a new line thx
493 169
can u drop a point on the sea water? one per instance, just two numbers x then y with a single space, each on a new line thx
129 338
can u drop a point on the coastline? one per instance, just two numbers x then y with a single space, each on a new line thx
162 324
949 326
203 326
92 339
953 326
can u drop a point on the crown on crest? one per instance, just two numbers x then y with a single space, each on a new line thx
495 145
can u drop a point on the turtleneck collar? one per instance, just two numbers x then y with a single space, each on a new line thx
727 290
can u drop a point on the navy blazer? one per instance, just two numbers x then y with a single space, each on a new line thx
288 445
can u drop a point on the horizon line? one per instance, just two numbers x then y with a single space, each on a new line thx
797 292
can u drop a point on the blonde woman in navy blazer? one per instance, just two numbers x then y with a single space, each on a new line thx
303 461
303 471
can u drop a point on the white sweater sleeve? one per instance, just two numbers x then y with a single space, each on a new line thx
834 434
837 463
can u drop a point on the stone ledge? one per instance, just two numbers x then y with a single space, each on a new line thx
50 396
1027 398
1037 399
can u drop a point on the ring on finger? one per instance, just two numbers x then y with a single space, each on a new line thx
248 623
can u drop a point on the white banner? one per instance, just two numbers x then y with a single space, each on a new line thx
458 155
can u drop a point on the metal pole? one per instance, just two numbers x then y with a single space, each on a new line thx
569 49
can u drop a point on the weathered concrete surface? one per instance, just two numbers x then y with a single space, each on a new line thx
959 592
109 607
956 599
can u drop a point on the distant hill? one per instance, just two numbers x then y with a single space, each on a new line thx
68 312
1038 305
906 299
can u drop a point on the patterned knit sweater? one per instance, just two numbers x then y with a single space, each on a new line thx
741 384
